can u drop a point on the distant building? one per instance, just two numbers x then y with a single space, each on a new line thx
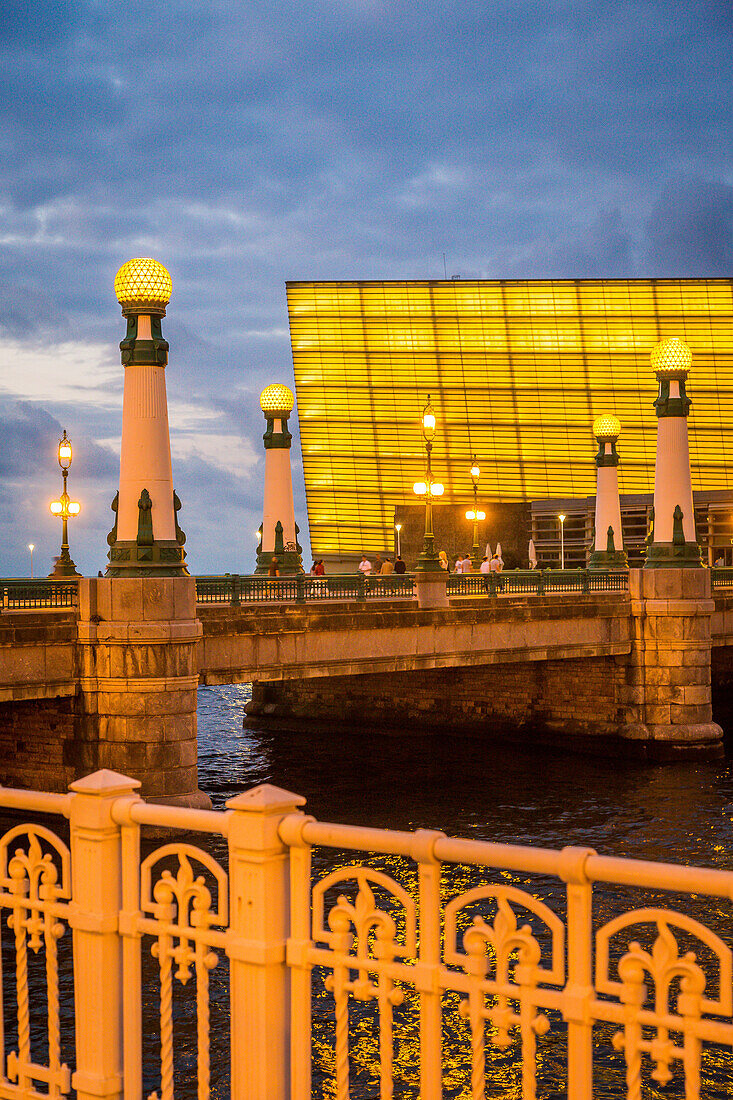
517 372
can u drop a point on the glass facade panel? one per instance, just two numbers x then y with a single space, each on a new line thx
517 371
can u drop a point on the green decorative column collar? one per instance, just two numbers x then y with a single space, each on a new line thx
676 554
146 556
273 439
153 352
603 459
672 406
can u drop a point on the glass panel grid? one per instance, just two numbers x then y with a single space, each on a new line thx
517 372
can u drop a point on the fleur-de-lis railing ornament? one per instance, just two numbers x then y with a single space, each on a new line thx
662 966
34 884
378 945
182 908
503 962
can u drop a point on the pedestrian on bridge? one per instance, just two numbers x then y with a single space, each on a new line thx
399 565
387 567
365 566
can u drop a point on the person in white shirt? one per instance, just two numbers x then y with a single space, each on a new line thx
495 565
458 567
365 566
485 566
466 564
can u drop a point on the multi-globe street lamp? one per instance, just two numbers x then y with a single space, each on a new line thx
428 489
562 541
475 515
65 507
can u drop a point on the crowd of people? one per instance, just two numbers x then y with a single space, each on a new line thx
383 566
463 564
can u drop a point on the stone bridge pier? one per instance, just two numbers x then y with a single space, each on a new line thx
138 680
647 693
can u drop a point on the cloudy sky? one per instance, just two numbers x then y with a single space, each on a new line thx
244 144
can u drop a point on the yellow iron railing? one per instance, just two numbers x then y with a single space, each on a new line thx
449 956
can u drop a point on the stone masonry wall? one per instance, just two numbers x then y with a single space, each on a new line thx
37 743
528 700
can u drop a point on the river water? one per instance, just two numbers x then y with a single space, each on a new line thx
471 788
675 813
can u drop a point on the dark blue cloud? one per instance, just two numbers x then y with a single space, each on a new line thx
245 145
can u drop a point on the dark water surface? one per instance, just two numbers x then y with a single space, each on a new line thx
676 813
679 813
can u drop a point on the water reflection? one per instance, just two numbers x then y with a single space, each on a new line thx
681 813
465 787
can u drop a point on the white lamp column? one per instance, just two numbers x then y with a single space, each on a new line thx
672 541
608 547
279 532
146 539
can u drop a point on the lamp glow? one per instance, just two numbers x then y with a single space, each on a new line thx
437 489
74 508
475 472
65 454
56 507
428 421
481 515
420 488
143 285
607 426
276 399
671 356
471 515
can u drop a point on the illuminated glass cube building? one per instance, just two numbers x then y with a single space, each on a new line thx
517 371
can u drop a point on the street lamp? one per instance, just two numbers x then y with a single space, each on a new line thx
31 547
428 489
398 528
474 514
64 507
562 541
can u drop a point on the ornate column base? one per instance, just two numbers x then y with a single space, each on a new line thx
64 567
160 559
673 555
289 562
608 559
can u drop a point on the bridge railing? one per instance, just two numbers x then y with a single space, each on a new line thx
721 577
335 959
238 589
537 581
19 594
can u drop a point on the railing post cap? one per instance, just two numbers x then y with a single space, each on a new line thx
265 799
104 783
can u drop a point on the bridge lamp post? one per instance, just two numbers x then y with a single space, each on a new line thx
31 547
398 528
562 541
428 489
65 507
673 540
475 515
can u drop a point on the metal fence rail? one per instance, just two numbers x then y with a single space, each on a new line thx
721 577
537 582
19 594
498 951
236 589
